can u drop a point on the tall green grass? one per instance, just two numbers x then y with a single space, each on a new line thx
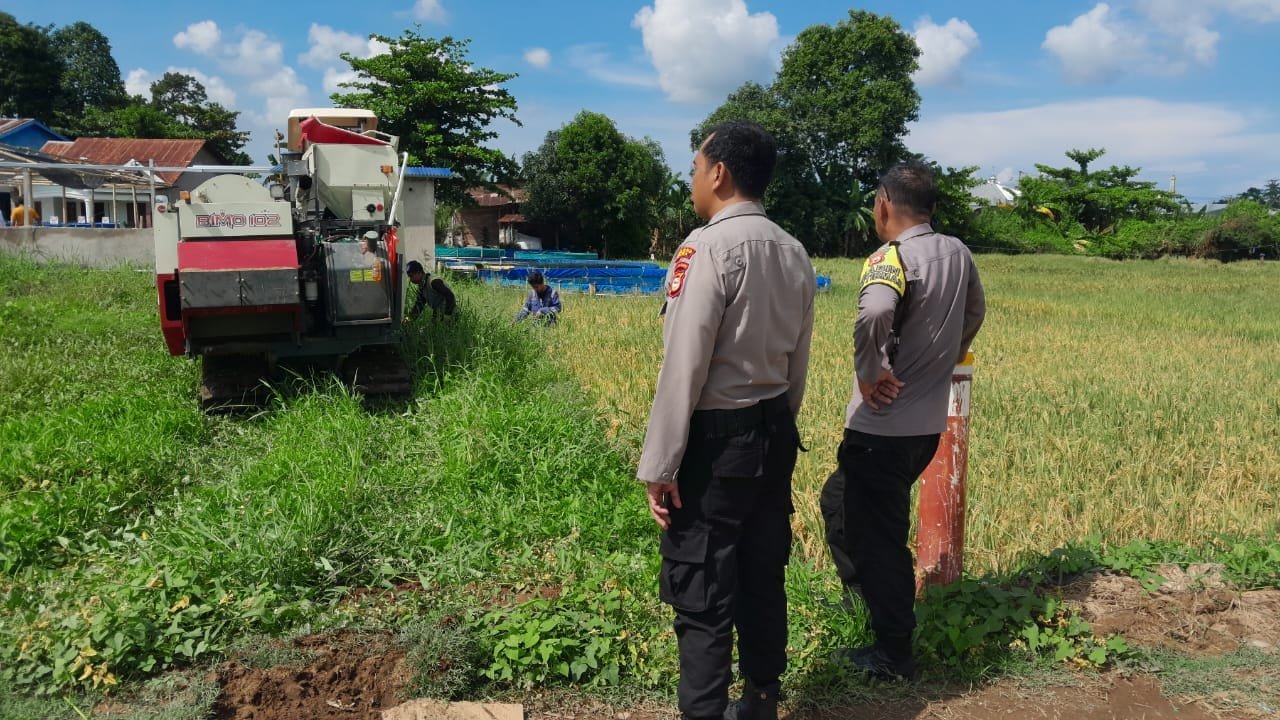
138 528
1112 400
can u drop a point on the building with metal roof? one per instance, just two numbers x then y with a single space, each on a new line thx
141 152
26 133
995 194
66 195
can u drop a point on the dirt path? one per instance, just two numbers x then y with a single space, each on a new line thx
355 677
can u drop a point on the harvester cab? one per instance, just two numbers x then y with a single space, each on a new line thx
309 268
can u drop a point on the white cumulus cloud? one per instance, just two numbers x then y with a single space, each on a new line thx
1183 27
1136 131
282 91
327 45
429 11
538 57
202 37
943 49
333 76
1094 47
138 82
256 54
704 49
1260 10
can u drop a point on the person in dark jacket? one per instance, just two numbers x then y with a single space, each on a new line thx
432 292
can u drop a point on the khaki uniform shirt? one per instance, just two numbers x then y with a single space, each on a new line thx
945 307
739 317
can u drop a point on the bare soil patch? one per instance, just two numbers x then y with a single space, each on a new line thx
1193 611
351 677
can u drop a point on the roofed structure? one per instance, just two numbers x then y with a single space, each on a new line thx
26 133
994 193
124 151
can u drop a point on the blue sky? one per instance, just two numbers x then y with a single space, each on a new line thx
1176 87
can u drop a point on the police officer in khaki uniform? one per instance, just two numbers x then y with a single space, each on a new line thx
722 441
919 308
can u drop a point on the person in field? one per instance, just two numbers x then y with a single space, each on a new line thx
721 441
919 307
431 292
542 303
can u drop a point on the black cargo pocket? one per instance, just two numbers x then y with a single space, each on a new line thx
682 582
742 456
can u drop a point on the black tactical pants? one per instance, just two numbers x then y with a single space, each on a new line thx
725 554
831 503
878 474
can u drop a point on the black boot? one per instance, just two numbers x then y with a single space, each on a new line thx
757 703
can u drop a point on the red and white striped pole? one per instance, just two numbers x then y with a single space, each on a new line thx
940 538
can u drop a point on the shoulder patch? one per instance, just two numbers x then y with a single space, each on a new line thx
884 268
680 266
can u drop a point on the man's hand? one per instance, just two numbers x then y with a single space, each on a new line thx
883 391
658 494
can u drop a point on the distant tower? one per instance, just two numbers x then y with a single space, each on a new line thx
1173 183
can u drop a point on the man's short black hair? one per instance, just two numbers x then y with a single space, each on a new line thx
748 150
910 186
535 278
413 267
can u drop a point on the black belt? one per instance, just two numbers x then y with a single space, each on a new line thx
725 423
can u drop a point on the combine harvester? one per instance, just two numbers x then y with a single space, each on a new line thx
249 275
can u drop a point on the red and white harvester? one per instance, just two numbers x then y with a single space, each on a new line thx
308 268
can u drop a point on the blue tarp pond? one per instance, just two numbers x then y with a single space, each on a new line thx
580 272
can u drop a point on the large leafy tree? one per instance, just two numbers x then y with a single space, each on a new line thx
839 108
179 108
90 76
427 92
29 69
848 88
184 99
596 185
1267 196
136 119
794 197
1097 199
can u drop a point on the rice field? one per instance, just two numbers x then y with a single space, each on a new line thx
1122 400
1116 401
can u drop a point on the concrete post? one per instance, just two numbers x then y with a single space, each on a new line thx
940 539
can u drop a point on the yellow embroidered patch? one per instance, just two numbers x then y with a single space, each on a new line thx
885 268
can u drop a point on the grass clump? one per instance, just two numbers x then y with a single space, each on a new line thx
155 534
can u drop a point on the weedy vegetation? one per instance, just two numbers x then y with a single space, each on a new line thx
1123 412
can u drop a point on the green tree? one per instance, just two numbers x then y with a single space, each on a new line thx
427 92
794 197
675 215
594 183
849 89
183 98
136 119
839 108
1271 194
90 77
1098 199
953 214
29 70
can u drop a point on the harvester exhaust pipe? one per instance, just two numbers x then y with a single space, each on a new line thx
395 199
